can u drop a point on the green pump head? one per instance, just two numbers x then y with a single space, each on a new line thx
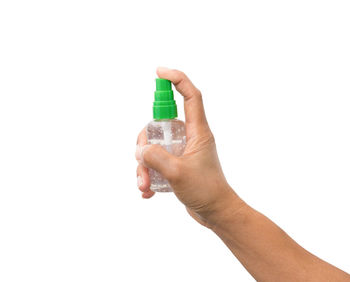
164 105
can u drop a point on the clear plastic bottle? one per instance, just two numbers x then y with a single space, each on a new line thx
171 135
165 130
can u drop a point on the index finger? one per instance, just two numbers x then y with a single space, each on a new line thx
194 109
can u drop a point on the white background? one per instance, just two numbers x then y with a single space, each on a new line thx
76 87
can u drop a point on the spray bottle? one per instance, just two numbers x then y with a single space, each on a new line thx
165 130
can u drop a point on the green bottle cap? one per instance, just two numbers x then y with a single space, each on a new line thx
164 105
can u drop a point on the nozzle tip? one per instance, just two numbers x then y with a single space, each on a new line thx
163 84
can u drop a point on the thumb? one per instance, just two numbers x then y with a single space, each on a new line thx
157 158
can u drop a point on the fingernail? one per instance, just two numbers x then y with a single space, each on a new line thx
139 181
160 69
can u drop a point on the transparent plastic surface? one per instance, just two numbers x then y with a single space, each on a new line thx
171 135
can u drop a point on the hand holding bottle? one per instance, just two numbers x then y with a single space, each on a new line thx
196 177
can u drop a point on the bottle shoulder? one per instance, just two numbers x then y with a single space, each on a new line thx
162 129
161 122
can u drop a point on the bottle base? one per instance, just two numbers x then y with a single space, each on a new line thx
161 188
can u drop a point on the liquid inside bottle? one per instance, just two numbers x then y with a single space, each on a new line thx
171 135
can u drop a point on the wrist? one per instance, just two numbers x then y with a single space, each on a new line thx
226 210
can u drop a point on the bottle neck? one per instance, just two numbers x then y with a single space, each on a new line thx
165 119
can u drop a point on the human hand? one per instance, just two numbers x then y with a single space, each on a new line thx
196 177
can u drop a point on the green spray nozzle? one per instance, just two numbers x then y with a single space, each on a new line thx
164 105
163 85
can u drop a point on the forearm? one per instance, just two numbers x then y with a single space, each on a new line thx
266 251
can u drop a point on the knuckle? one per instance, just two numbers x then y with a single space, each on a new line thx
181 76
197 93
179 73
209 137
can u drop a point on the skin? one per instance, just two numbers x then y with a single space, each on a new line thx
263 248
